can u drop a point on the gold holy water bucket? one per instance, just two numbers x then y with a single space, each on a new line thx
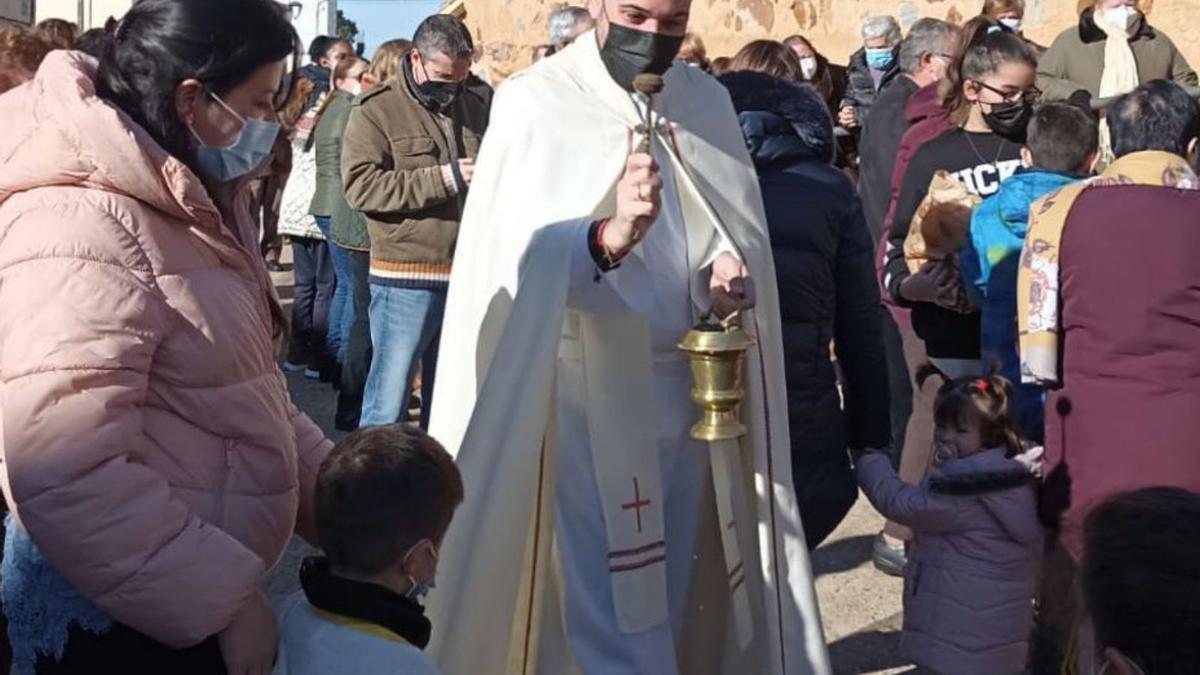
716 353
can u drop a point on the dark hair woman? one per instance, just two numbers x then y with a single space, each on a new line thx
154 462
823 255
828 79
1139 583
770 57
349 246
989 99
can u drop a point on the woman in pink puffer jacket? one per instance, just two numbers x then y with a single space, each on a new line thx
151 454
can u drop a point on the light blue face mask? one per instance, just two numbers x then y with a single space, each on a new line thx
419 589
252 145
880 59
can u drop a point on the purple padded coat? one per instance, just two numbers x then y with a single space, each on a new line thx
973 568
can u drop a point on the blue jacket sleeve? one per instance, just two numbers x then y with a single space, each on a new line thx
976 270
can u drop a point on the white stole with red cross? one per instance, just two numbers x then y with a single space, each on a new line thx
619 377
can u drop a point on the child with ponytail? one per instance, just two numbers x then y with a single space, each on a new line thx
972 573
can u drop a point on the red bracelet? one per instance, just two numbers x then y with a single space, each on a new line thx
600 227
613 257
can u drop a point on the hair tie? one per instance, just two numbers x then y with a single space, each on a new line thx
982 385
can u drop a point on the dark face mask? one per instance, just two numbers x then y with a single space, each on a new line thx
628 53
1009 119
436 95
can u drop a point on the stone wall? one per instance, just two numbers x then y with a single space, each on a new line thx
509 29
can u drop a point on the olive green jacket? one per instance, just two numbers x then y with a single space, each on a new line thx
1076 60
348 227
392 158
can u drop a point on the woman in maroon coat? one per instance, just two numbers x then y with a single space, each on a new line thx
1110 323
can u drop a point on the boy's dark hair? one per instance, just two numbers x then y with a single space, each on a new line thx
379 492
1139 580
1158 115
1062 137
985 400
319 47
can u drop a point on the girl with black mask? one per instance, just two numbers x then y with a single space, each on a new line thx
989 98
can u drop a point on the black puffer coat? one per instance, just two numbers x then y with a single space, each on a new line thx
827 289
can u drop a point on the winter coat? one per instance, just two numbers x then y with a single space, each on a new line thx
882 132
1125 417
321 79
973 566
150 448
311 644
1076 59
348 227
827 291
927 119
340 625
392 158
861 91
295 206
989 268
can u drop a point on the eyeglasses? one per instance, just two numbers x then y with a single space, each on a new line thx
1030 96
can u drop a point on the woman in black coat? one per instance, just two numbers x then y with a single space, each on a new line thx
827 289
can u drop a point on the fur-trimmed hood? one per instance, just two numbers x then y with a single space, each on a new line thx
987 472
782 121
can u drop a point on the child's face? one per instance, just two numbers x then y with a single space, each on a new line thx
957 441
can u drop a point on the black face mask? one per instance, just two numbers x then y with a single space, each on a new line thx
436 95
1009 119
628 53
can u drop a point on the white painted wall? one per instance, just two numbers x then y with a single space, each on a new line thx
87 13
316 17
16 11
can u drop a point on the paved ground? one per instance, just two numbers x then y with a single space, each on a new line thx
859 606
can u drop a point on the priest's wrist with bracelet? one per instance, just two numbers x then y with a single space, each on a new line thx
605 258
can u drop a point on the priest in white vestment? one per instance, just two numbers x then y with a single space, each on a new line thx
597 537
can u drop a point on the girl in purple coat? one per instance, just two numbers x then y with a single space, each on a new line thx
972 572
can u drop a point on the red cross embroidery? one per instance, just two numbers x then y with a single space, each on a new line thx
637 504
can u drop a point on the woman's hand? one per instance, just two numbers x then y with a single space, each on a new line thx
934 283
249 642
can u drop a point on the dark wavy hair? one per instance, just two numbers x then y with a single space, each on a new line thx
987 45
770 57
985 401
161 43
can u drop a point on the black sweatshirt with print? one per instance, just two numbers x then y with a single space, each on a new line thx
980 161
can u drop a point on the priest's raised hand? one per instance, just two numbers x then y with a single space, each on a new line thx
639 201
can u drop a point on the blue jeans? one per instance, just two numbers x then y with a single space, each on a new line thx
406 324
314 286
335 343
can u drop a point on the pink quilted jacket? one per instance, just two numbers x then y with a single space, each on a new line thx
149 445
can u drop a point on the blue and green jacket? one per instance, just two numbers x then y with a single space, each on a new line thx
989 267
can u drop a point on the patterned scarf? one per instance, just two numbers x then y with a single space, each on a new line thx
1038 301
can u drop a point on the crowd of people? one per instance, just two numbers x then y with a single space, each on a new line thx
974 305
